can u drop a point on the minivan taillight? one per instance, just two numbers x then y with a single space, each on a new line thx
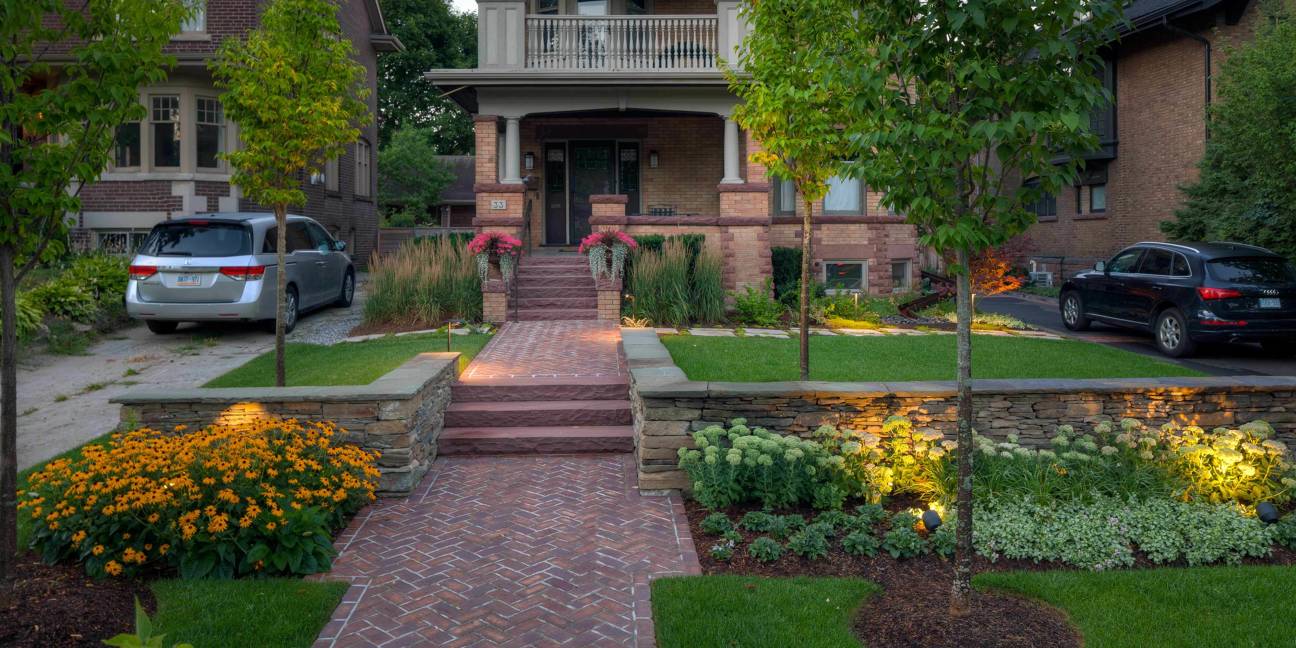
1217 293
141 272
244 273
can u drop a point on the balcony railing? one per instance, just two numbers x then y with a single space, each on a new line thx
622 43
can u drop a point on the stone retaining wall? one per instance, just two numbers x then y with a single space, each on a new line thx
401 414
668 407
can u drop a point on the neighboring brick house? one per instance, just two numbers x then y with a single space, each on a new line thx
457 205
1160 71
615 114
166 165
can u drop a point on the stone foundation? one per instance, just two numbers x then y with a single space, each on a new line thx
400 415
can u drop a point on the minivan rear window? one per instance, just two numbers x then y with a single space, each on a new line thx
205 239
1252 270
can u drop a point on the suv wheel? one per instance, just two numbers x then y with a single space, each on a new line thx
161 327
348 290
1073 312
290 312
1171 333
1282 349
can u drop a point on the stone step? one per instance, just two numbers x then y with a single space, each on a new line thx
526 302
542 292
556 314
560 281
532 260
553 273
538 413
535 440
570 389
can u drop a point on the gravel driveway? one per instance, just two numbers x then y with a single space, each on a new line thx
63 400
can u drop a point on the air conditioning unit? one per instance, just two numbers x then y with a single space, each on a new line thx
1042 278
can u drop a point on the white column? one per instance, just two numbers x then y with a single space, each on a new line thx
732 175
512 152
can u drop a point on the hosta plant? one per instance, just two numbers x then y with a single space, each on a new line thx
861 543
743 464
607 252
808 543
716 524
765 549
757 521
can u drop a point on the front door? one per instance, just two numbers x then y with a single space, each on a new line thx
555 194
593 172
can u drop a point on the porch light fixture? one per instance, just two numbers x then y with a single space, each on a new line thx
528 161
1267 513
931 520
652 159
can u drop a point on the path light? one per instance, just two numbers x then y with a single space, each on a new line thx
450 324
1267 513
931 520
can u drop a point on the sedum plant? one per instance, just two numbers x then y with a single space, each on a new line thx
1245 464
900 460
743 464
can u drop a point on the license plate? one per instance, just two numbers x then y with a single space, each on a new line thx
1270 302
189 280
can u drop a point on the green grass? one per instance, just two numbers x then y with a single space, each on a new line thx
351 363
749 611
271 612
899 358
1201 607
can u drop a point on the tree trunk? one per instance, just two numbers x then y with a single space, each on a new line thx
8 414
805 291
961 594
281 290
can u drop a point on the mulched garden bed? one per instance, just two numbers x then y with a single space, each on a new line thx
58 605
913 609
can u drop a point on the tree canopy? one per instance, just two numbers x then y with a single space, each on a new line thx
1245 191
435 37
412 178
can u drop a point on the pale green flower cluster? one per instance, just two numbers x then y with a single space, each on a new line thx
741 464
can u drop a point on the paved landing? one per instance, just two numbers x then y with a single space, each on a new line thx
522 351
510 551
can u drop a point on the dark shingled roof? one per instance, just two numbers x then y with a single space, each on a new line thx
1142 14
460 191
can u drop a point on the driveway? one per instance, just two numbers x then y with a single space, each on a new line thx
1217 360
63 400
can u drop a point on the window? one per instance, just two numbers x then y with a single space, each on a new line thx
1079 192
1157 262
194 239
1181 267
331 174
1252 270
1098 198
165 121
363 167
120 241
628 174
1126 261
127 148
547 7
197 21
901 277
1045 205
443 216
636 7
592 7
320 239
845 276
845 196
784 196
299 239
211 132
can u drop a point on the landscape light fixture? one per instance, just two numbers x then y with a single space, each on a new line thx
931 520
528 161
1267 513
450 324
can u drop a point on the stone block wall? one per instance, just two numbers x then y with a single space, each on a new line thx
400 415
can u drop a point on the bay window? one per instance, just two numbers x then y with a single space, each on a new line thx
210 132
165 130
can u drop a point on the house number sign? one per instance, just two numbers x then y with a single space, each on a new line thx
499 204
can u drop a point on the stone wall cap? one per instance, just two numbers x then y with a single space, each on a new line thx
609 199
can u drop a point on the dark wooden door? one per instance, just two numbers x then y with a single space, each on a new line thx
555 194
593 172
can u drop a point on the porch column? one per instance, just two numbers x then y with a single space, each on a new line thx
732 161
512 152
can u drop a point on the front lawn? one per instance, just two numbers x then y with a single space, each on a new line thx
904 358
702 611
349 363
1202 607
285 612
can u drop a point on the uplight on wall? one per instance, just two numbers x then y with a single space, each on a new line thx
528 161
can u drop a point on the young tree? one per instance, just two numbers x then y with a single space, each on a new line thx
1245 191
412 179
955 103
69 76
435 37
298 97
792 106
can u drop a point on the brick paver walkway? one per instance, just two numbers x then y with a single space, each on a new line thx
510 551
558 349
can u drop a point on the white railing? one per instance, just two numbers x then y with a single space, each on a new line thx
616 43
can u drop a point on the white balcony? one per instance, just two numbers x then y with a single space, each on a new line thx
654 43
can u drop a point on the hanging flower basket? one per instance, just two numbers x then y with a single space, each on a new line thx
607 252
496 250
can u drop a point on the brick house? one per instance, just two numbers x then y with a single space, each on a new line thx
166 165
457 205
1160 72
615 114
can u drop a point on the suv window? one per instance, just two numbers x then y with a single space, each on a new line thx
1252 270
320 239
1157 262
1126 261
299 239
1181 267
198 239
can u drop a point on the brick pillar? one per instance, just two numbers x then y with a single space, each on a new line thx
499 205
609 299
495 301
608 212
744 237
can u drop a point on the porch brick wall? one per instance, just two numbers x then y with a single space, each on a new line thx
879 243
485 135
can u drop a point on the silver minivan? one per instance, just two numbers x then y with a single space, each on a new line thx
221 267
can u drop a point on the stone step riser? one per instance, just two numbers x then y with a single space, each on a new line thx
538 445
525 303
548 292
581 281
564 260
524 393
577 416
556 315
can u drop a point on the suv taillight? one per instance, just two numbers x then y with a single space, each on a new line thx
244 273
141 272
1217 293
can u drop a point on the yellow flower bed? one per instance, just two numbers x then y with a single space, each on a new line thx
226 500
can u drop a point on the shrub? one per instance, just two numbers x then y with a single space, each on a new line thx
834 519
821 528
856 308
424 283
104 275
660 286
716 524
64 338
1285 531
868 515
30 314
1244 465
757 521
744 464
861 543
808 544
755 307
65 299
259 498
708 294
765 549
785 263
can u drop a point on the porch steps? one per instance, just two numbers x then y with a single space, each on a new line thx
553 287
536 440
573 389
540 416
538 413
563 301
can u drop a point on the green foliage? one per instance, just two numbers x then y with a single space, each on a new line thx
869 514
66 300
694 243
717 524
860 308
786 265
412 178
744 464
1244 190
104 275
64 338
1285 531
835 519
861 543
783 526
89 287
943 541
900 460
143 636
424 283
722 550
435 37
754 306
757 521
904 542
30 313
659 284
809 543
707 288
765 549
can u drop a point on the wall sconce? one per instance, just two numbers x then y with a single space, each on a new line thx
528 161
652 159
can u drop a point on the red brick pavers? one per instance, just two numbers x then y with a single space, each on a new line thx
510 551
557 349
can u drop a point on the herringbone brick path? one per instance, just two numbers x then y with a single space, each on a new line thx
560 349
510 551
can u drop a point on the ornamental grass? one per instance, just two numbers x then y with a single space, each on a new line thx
424 283
259 498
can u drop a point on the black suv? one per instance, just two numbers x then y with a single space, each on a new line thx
1190 293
